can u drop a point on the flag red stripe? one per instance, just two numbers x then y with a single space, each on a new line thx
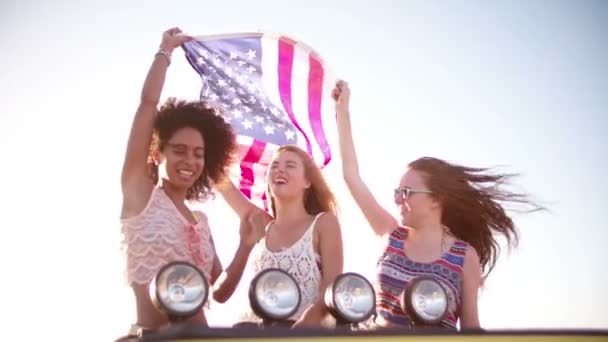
252 156
285 68
315 90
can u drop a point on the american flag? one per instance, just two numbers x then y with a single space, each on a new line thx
273 90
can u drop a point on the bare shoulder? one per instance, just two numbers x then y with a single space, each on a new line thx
327 235
472 263
327 226
200 216
329 220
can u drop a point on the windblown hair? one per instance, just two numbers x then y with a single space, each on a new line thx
220 141
473 202
318 197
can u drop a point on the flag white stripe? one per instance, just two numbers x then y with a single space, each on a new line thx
270 73
299 76
328 112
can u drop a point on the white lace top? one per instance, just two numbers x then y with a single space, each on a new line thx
300 260
161 234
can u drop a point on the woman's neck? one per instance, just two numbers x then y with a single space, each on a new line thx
429 230
177 195
289 211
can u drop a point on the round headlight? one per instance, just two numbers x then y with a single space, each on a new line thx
274 294
351 298
425 301
179 289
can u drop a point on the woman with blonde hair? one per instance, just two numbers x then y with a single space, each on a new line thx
302 235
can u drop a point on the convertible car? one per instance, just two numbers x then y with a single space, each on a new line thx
180 290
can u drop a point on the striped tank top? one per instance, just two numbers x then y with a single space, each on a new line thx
395 270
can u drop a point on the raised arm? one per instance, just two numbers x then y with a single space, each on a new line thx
381 221
235 199
134 170
253 224
251 231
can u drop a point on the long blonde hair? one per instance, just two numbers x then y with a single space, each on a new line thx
318 197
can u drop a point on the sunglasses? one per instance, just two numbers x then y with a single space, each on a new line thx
405 192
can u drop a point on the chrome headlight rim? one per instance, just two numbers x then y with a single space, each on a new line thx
332 305
257 307
155 294
408 306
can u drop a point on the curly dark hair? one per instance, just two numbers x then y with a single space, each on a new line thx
473 202
220 140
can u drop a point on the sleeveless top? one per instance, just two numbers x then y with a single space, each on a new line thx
299 260
161 234
395 270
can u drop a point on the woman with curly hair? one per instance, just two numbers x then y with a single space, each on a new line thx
450 216
173 156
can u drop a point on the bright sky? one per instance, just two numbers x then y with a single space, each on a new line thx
514 83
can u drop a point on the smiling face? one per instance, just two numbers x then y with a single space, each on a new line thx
414 200
182 159
287 176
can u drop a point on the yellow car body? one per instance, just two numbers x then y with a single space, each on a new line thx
325 335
